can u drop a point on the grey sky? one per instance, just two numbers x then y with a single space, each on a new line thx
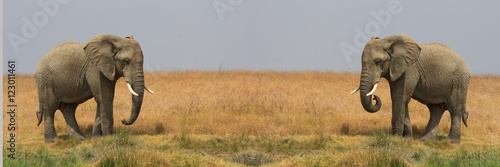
254 34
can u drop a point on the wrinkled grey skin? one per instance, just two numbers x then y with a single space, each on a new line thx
71 73
433 74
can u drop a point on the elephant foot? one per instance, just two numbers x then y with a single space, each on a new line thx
97 132
454 139
51 139
430 134
428 137
96 135
408 137
407 134
76 136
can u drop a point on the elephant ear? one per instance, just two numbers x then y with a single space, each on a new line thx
101 51
403 54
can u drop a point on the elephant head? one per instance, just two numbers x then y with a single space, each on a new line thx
117 57
389 58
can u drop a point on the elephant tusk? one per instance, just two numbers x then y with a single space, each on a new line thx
373 90
131 90
354 91
149 90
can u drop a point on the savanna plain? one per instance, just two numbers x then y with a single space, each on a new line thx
268 118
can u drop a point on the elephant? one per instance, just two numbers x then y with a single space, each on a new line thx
72 73
433 74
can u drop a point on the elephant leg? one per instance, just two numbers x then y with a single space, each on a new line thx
455 129
103 124
400 97
398 118
106 116
457 107
106 105
97 131
47 106
68 111
49 130
103 91
432 127
407 132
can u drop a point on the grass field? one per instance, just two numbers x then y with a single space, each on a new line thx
231 118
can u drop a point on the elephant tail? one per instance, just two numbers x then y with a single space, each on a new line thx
39 115
465 116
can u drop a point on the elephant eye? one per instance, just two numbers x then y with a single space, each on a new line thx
126 61
377 61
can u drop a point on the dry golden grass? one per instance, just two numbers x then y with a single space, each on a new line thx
268 103
253 103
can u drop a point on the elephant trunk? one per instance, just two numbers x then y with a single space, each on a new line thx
366 101
138 87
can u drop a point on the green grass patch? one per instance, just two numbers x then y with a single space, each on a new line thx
316 160
64 144
233 145
41 157
185 149
252 158
387 150
489 157
438 144
122 157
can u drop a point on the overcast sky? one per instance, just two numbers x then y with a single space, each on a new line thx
252 34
